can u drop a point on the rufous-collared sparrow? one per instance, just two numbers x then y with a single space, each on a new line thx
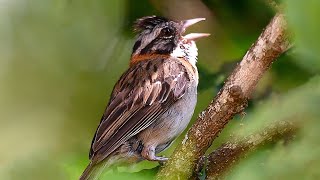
153 101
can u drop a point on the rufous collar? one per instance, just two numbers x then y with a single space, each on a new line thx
137 58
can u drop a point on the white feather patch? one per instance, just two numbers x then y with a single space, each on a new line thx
187 50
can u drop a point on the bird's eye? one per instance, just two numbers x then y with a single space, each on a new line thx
166 32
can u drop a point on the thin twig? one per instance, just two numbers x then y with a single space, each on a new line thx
220 160
231 100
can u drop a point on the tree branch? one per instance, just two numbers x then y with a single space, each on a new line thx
231 100
220 160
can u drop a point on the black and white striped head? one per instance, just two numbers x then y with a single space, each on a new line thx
159 35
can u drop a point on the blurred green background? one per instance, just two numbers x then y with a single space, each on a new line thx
60 59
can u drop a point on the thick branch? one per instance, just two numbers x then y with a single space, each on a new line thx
231 99
220 160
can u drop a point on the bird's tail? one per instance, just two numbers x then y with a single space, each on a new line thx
93 171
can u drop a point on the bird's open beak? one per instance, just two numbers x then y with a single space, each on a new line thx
193 36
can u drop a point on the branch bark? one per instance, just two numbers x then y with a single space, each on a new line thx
220 160
231 100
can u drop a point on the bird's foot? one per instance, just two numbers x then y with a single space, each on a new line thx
149 154
162 160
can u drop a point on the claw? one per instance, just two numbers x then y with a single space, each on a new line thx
161 159
149 154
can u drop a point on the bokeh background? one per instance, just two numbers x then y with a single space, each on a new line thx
60 59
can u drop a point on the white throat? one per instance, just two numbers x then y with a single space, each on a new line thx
187 50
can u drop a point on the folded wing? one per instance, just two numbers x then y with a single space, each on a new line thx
143 93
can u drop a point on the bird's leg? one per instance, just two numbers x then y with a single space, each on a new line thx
148 153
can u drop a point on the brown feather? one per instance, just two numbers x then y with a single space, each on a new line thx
137 100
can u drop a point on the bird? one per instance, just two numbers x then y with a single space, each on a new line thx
153 101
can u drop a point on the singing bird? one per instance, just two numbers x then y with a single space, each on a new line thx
153 101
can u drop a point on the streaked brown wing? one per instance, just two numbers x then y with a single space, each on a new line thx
143 93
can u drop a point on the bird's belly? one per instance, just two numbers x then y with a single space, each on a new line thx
172 123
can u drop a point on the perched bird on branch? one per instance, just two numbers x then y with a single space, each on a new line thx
153 101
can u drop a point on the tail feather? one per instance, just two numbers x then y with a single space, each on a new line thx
93 171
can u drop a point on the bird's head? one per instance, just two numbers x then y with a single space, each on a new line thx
159 35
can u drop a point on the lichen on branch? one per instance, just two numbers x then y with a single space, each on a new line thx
231 100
